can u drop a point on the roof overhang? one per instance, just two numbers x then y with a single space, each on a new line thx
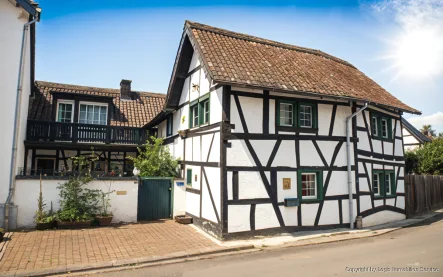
29 7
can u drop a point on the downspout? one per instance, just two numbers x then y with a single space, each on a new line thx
348 160
16 125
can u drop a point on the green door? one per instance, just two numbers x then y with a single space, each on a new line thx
154 199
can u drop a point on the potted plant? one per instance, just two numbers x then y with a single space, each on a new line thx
104 218
78 203
43 220
2 233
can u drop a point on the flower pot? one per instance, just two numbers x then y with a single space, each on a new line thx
74 224
44 226
183 219
104 220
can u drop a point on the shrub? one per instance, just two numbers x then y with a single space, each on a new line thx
430 157
155 160
411 161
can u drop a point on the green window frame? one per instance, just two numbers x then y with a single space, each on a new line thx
297 114
305 185
381 126
200 111
383 183
189 177
169 125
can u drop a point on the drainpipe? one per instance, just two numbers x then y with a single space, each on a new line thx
17 118
348 160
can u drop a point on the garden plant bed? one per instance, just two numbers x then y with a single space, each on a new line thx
183 219
45 226
104 220
74 224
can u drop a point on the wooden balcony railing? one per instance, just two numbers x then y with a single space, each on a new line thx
76 132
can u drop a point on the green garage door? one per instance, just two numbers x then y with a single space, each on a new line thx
154 199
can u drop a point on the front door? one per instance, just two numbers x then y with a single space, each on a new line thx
154 199
45 166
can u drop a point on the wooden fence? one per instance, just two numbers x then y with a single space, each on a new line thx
423 193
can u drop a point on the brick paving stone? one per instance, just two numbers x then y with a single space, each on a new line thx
47 250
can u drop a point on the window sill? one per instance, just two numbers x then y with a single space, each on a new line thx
383 139
297 129
310 201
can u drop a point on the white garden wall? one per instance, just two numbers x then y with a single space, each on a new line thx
123 204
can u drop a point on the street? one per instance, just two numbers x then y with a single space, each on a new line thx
419 246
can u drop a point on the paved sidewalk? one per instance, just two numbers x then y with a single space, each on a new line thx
321 236
46 252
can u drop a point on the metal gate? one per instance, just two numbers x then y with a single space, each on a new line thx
154 199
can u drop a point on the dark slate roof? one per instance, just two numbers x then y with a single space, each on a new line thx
131 113
414 131
244 60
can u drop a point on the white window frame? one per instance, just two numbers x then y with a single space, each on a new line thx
388 178
383 129
311 114
93 104
292 113
378 183
206 111
71 102
195 115
374 122
315 185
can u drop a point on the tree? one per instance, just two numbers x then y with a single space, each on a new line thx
155 160
428 131
440 135
411 162
430 158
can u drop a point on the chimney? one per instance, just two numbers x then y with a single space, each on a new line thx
125 89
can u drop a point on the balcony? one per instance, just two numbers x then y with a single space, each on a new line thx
84 133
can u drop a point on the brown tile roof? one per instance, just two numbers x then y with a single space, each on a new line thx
242 59
131 113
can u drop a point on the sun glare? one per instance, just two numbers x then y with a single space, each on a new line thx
417 54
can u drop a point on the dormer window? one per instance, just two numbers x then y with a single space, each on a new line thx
93 113
65 111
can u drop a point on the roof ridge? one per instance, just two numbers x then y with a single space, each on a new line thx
91 88
247 37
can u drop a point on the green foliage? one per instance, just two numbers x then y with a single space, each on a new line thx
411 160
42 216
430 157
106 202
428 131
155 160
2 230
77 202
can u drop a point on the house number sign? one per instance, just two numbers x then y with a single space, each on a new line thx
286 183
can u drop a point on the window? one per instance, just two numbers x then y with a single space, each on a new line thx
296 114
199 111
286 114
384 128
383 183
376 185
93 114
305 116
310 185
381 126
189 177
374 126
169 125
65 112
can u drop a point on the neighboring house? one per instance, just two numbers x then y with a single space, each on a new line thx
260 128
17 55
65 121
412 137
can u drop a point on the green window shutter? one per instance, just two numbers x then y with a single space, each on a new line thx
393 186
189 177
320 185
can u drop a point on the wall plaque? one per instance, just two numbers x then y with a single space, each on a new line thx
121 192
286 183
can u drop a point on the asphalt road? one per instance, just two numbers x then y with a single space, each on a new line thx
419 246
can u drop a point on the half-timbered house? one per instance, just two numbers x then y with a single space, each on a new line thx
260 127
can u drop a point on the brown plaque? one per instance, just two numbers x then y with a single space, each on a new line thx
121 192
286 183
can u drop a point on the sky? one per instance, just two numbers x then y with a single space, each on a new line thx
397 43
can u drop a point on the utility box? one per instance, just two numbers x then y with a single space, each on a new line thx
292 202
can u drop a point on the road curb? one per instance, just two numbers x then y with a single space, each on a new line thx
125 263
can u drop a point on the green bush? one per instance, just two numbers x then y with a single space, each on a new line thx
155 160
430 158
411 160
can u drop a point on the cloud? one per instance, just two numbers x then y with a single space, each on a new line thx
436 120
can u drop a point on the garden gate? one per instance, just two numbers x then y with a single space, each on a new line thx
154 198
